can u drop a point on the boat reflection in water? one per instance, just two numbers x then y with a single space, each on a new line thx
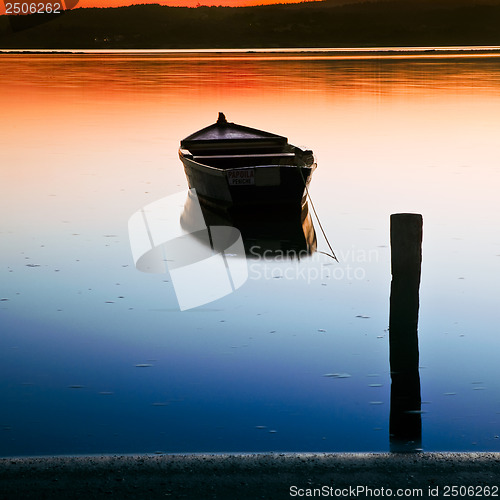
205 251
266 231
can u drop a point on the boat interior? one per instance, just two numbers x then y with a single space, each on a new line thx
294 157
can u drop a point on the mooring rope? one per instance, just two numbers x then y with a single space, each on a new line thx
332 255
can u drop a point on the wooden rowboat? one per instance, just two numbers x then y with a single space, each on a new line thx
231 166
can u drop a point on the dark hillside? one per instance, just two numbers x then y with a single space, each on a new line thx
326 24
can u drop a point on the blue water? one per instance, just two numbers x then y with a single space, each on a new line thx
97 357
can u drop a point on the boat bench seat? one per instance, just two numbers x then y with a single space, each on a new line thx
256 155
247 160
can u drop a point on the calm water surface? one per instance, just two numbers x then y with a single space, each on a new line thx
96 357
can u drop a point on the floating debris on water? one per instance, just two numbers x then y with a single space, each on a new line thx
76 386
143 365
376 402
478 388
321 330
272 431
32 265
362 317
261 426
375 385
4 300
337 375
450 394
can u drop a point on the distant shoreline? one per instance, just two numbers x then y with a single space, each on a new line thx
351 52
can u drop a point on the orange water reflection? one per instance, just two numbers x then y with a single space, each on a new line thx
427 126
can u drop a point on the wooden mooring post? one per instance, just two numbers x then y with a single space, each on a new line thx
405 426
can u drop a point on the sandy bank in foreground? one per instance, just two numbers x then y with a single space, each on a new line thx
270 476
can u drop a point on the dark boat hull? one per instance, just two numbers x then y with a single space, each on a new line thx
265 186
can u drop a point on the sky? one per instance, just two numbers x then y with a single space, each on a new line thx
70 4
184 3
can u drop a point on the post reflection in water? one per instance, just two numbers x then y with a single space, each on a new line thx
266 231
405 426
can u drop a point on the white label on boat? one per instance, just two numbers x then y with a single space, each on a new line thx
241 177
